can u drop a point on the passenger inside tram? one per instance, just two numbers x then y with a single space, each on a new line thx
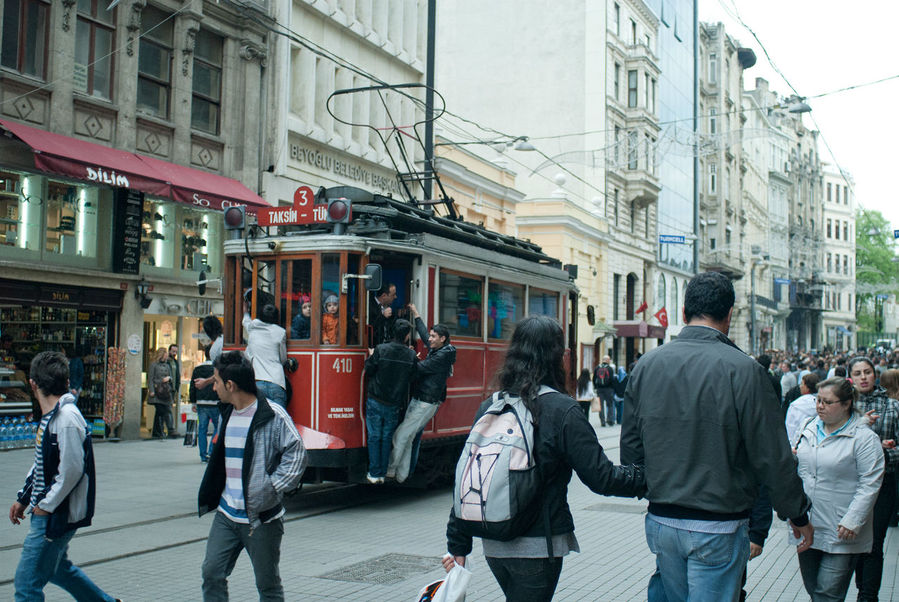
330 320
299 327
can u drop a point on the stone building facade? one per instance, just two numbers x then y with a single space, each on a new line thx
838 233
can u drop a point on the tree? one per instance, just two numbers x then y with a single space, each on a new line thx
876 271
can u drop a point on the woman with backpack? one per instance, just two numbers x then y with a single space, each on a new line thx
526 554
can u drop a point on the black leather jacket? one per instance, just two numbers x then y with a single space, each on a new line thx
563 442
432 372
390 369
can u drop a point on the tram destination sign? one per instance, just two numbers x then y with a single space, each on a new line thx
303 211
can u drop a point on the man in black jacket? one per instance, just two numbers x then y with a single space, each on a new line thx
381 316
206 403
428 392
389 369
702 417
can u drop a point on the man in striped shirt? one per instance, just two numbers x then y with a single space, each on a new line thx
258 457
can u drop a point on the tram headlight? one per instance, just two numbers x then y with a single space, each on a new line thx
340 211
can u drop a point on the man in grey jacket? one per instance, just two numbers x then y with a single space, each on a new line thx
702 417
59 490
258 457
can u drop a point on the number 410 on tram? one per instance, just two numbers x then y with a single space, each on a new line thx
477 283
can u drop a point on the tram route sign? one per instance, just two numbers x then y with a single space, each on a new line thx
303 211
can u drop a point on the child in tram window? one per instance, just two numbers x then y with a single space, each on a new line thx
329 321
299 327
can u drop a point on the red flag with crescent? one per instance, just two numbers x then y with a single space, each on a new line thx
662 317
643 307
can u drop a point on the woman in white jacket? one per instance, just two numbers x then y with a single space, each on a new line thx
841 466
267 349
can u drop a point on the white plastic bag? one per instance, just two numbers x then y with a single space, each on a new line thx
451 589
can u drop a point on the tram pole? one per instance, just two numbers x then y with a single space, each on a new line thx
429 102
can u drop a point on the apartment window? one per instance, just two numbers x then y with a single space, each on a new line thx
25 37
632 150
713 244
846 265
94 42
632 88
713 178
633 32
615 201
845 230
617 20
653 95
617 84
829 262
617 143
836 191
829 229
616 290
829 186
633 216
154 65
713 68
713 121
845 195
646 90
727 236
206 106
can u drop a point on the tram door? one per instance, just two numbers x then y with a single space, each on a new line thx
397 273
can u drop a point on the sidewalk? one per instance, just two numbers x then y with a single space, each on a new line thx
148 544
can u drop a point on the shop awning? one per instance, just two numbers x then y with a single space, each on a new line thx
638 329
843 330
100 164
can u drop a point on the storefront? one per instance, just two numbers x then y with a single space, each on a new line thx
101 250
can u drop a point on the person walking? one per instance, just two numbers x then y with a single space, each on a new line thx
267 350
874 402
59 490
428 392
257 459
620 387
159 384
175 368
389 369
788 380
206 403
841 465
702 417
527 567
803 408
212 328
585 392
604 385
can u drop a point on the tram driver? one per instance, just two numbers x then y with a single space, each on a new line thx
381 315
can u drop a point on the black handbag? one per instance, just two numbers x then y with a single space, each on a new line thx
162 392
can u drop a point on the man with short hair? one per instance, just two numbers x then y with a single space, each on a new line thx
175 367
381 315
787 378
702 418
60 488
604 385
257 458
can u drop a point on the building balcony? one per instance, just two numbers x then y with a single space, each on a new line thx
724 262
642 187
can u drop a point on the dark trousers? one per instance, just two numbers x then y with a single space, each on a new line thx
869 570
526 579
826 576
263 545
162 420
607 404
585 405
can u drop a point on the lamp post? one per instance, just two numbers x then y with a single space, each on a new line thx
756 258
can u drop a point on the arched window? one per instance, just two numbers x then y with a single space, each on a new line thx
673 313
660 292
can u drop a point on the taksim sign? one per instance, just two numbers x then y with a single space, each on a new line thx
303 211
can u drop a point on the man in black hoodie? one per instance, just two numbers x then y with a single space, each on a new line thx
428 392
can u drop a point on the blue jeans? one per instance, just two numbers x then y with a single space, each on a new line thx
272 392
44 560
696 566
263 546
380 422
826 576
205 415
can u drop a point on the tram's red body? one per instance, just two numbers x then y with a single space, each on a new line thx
501 285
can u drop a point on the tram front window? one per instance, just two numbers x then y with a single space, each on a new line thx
330 297
297 276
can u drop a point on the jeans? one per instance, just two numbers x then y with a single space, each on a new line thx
418 414
162 420
272 392
44 560
869 570
380 422
226 540
205 415
696 566
619 403
607 405
526 579
826 576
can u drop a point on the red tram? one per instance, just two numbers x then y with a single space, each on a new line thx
478 283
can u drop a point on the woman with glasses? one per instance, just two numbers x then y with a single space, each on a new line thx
884 412
841 466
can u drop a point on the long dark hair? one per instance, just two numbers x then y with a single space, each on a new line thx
582 381
534 358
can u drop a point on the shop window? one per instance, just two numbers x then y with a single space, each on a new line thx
25 37
544 303
460 304
201 239
94 43
71 220
157 241
20 211
505 307
330 299
207 83
154 70
298 297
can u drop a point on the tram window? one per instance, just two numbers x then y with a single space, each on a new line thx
297 275
505 305
330 298
460 304
543 303
352 302
266 285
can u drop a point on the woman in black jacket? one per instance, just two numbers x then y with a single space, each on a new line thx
564 442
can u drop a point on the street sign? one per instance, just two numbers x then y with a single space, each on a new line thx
895 233
304 211
781 281
671 239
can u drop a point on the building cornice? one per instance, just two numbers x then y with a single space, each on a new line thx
565 221
464 175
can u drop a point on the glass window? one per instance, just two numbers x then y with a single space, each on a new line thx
632 88
675 314
713 121
505 307
713 68
632 151
544 303
460 304
713 178
157 241
154 76
660 291
71 219
330 297
207 83
201 239
297 275
94 43
617 84
25 36
20 211
353 307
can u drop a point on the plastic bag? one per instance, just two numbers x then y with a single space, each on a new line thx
190 433
451 589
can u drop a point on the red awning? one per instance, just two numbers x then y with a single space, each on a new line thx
638 329
83 160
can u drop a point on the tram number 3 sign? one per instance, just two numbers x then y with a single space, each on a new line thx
303 211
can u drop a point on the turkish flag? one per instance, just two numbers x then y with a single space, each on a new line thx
662 317
643 307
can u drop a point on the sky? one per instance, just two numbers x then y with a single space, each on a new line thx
825 45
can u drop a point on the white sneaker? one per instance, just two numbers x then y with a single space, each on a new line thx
373 480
